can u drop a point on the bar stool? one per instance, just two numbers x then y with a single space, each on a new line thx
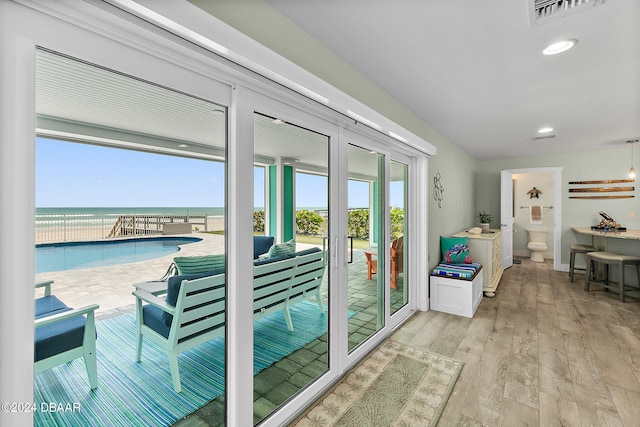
577 249
608 258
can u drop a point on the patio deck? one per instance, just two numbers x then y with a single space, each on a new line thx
111 288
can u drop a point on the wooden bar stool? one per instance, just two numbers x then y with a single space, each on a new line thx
608 258
577 249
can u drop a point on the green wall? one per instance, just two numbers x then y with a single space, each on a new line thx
607 164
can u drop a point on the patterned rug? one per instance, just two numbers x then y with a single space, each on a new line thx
141 394
395 386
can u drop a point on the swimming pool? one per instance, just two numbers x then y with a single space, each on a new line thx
76 255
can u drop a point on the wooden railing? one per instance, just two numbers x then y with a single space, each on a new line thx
77 227
142 225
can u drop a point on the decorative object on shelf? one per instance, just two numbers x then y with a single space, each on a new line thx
608 224
534 192
485 219
438 189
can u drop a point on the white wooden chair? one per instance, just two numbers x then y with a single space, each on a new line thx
198 316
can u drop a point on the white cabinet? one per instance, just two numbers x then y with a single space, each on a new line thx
456 296
485 249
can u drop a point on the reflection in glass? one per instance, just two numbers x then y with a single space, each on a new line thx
290 293
118 158
398 226
365 224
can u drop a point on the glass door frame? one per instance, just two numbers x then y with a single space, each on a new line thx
367 139
256 103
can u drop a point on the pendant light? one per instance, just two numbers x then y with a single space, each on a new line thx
632 171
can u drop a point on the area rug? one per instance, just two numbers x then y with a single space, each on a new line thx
395 386
141 394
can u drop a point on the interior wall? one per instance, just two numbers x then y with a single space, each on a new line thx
612 163
258 20
522 184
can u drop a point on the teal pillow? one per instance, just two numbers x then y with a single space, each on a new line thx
455 250
199 264
286 248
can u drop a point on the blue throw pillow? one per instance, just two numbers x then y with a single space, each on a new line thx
455 250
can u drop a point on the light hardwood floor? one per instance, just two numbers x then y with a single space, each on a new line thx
542 352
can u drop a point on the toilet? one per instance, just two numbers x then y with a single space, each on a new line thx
537 243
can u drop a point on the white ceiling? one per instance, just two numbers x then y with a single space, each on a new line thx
474 70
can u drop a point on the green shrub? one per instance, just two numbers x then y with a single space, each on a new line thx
308 222
397 223
258 221
358 223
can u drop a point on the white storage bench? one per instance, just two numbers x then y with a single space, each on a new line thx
455 294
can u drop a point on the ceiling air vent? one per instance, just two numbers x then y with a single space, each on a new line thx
541 11
540 138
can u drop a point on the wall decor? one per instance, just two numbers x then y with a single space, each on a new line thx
604 181
602 197
438 189
534 192
600 189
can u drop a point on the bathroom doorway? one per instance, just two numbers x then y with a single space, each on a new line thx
515 213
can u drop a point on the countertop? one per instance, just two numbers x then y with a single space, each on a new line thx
632 234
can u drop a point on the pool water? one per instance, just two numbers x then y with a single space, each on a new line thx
77 255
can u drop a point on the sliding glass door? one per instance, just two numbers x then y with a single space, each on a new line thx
291 284
130 196
400 239
367 250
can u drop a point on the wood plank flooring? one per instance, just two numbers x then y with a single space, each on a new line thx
542 352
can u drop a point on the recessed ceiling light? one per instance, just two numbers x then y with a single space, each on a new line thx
545 130
559 47
182 146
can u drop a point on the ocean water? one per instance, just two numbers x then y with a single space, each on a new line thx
96 211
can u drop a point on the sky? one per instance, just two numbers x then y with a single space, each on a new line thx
71 174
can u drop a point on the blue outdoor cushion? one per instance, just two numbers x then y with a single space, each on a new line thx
48 305
154 318
261 245
59 337
173 288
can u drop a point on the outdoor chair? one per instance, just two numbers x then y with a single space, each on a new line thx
397 261
63 334
188 311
